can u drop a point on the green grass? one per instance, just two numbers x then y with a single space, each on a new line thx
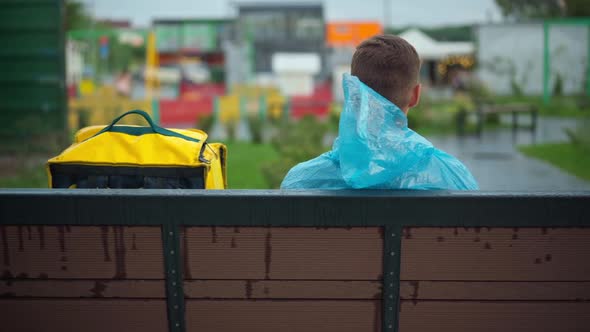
243 164
244 161
569 157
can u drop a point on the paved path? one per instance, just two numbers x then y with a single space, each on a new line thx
497 165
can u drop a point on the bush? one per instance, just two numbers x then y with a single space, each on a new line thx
334 117
516 88
205 122
419 116
432 116
256 128
580 136
583 102
478 91
231 127
274 172
302 139
295 142
558 85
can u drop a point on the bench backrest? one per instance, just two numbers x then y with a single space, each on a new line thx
155 260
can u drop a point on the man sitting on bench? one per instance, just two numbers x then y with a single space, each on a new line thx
375 148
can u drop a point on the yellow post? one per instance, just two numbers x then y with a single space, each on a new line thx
151 66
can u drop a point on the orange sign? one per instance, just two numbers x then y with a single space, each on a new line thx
350 34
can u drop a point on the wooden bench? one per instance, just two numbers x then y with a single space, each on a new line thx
353 261
485 109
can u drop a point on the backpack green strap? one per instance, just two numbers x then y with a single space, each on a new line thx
133 130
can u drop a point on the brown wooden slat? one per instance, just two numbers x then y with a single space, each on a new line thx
83 315
284 253
83 288
92 252
494 290
510 254
494 316
271 289
224 253
333 253
292 316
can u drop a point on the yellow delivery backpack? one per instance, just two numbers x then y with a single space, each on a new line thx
121 156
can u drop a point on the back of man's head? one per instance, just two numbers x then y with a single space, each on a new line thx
389 65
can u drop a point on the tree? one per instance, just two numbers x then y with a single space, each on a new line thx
445 33
578 8
523 9
76 16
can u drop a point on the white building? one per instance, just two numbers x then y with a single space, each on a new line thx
433 50
74 62
511 57
437 55
295 72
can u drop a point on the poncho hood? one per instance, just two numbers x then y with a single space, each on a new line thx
375 144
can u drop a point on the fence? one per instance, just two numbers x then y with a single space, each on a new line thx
151 260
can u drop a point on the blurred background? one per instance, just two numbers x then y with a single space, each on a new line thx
506 82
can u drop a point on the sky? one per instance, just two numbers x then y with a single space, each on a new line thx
403 12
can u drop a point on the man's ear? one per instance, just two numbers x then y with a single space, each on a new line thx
415 96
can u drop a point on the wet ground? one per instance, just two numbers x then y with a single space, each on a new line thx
497 164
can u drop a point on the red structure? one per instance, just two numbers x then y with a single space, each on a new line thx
180 113
318 104
196 100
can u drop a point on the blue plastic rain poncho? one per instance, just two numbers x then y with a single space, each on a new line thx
375 149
